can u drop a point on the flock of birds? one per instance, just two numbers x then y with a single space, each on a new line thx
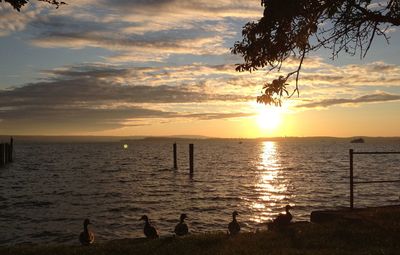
87 237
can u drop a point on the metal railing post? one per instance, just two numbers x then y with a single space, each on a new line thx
175 160
351 180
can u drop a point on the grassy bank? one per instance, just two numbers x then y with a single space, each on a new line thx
379 234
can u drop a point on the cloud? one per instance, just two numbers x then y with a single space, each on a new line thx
200 45
212 116
372 98
13 21
372 74
60 119
125 46
142 31
109 96
216 79
190 9
97 97
95 89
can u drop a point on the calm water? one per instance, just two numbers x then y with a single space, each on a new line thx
50 188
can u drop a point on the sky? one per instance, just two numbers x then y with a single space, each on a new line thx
161 68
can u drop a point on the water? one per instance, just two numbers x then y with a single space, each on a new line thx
50 188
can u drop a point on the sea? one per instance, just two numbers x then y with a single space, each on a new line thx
50 188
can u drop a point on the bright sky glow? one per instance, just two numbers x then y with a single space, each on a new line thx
133 67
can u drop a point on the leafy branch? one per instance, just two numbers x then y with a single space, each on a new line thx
287 28
18 4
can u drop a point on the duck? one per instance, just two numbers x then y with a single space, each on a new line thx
86 237
233 226
181 228
282 219
148 230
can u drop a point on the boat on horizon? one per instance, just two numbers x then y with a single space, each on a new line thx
358 140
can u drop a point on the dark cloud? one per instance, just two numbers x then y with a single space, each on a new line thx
90 91
206 7
121 37
87 98
140 4
381 67
90 71
72 119
324 77
381 97
212 116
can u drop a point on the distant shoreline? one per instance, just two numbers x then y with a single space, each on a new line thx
72 139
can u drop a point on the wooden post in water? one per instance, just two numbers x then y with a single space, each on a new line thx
7 153
351 180
11 149
175 160
2 154
191 158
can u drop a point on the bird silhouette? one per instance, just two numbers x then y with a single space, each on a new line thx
181 228
148 230
234 226
282 219
86 237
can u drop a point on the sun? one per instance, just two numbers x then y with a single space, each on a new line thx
269 118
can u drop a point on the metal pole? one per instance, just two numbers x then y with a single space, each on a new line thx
191 158
175 161
351 180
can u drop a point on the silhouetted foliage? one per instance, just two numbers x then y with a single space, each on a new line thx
293 28
17 4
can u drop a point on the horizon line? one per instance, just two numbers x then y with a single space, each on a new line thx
200 137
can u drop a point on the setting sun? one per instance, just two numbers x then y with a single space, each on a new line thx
269 118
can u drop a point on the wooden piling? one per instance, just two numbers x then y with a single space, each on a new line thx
175 160
351 180
2 154
191 148
11 149
7 154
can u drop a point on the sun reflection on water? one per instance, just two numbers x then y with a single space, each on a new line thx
270 187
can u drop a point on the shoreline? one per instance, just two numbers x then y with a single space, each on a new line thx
374 231
184 138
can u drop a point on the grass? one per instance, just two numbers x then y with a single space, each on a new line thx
379 234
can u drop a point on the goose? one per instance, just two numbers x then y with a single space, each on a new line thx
148 230
181 228
282 219
234 226
86 237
